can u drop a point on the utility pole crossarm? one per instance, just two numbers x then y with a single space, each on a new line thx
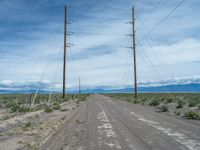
134 52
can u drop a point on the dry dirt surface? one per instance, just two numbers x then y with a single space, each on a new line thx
30 130
102 123
105 124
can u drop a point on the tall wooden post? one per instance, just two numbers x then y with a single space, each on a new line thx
79 85
65 51
134 53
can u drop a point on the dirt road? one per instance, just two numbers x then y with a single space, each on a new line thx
105 124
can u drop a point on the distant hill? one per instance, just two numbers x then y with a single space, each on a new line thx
191 84
168 88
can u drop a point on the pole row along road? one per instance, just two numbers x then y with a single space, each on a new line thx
105 124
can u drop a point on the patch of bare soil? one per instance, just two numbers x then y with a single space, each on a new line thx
31 130
72 135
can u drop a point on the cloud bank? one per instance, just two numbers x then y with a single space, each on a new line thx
46 86
31 43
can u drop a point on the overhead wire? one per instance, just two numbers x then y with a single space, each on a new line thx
97 33
123 34
165 17
93 45
126 69
57 71
74 68
161 60
149 14
153 69
142 8
149 41
146 57
46 68
44 52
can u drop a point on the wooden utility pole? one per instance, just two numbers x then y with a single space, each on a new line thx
79 85
65 51
134 53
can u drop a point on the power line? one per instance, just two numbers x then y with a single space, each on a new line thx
142 8
163 19
95 21
97 33
149 14
163 63
93 45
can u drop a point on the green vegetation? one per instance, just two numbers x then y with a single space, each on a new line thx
48 110
192 115
32 146
154 102
19 130
28 125
194 102
163 108
154 99
21 103
56 106
177 113
181 102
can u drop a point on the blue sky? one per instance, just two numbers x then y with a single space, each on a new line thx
31 41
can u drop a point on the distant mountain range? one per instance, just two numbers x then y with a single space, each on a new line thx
191 84
168 88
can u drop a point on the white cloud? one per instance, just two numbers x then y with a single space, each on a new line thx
185 51
172 55
47 86
7 82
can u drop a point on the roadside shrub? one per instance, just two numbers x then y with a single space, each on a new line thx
10 104
13 107
23 109
82 97
142 101
136 101
177 113
168 100
193 102
17 108
192 115
56 106
40 106
32 146
181 104
48 110
28 125
154 102
163 108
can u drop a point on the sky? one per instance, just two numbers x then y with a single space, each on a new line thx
31 41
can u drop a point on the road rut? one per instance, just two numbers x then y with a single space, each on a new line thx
106 124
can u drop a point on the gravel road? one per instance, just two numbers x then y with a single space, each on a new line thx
105 124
